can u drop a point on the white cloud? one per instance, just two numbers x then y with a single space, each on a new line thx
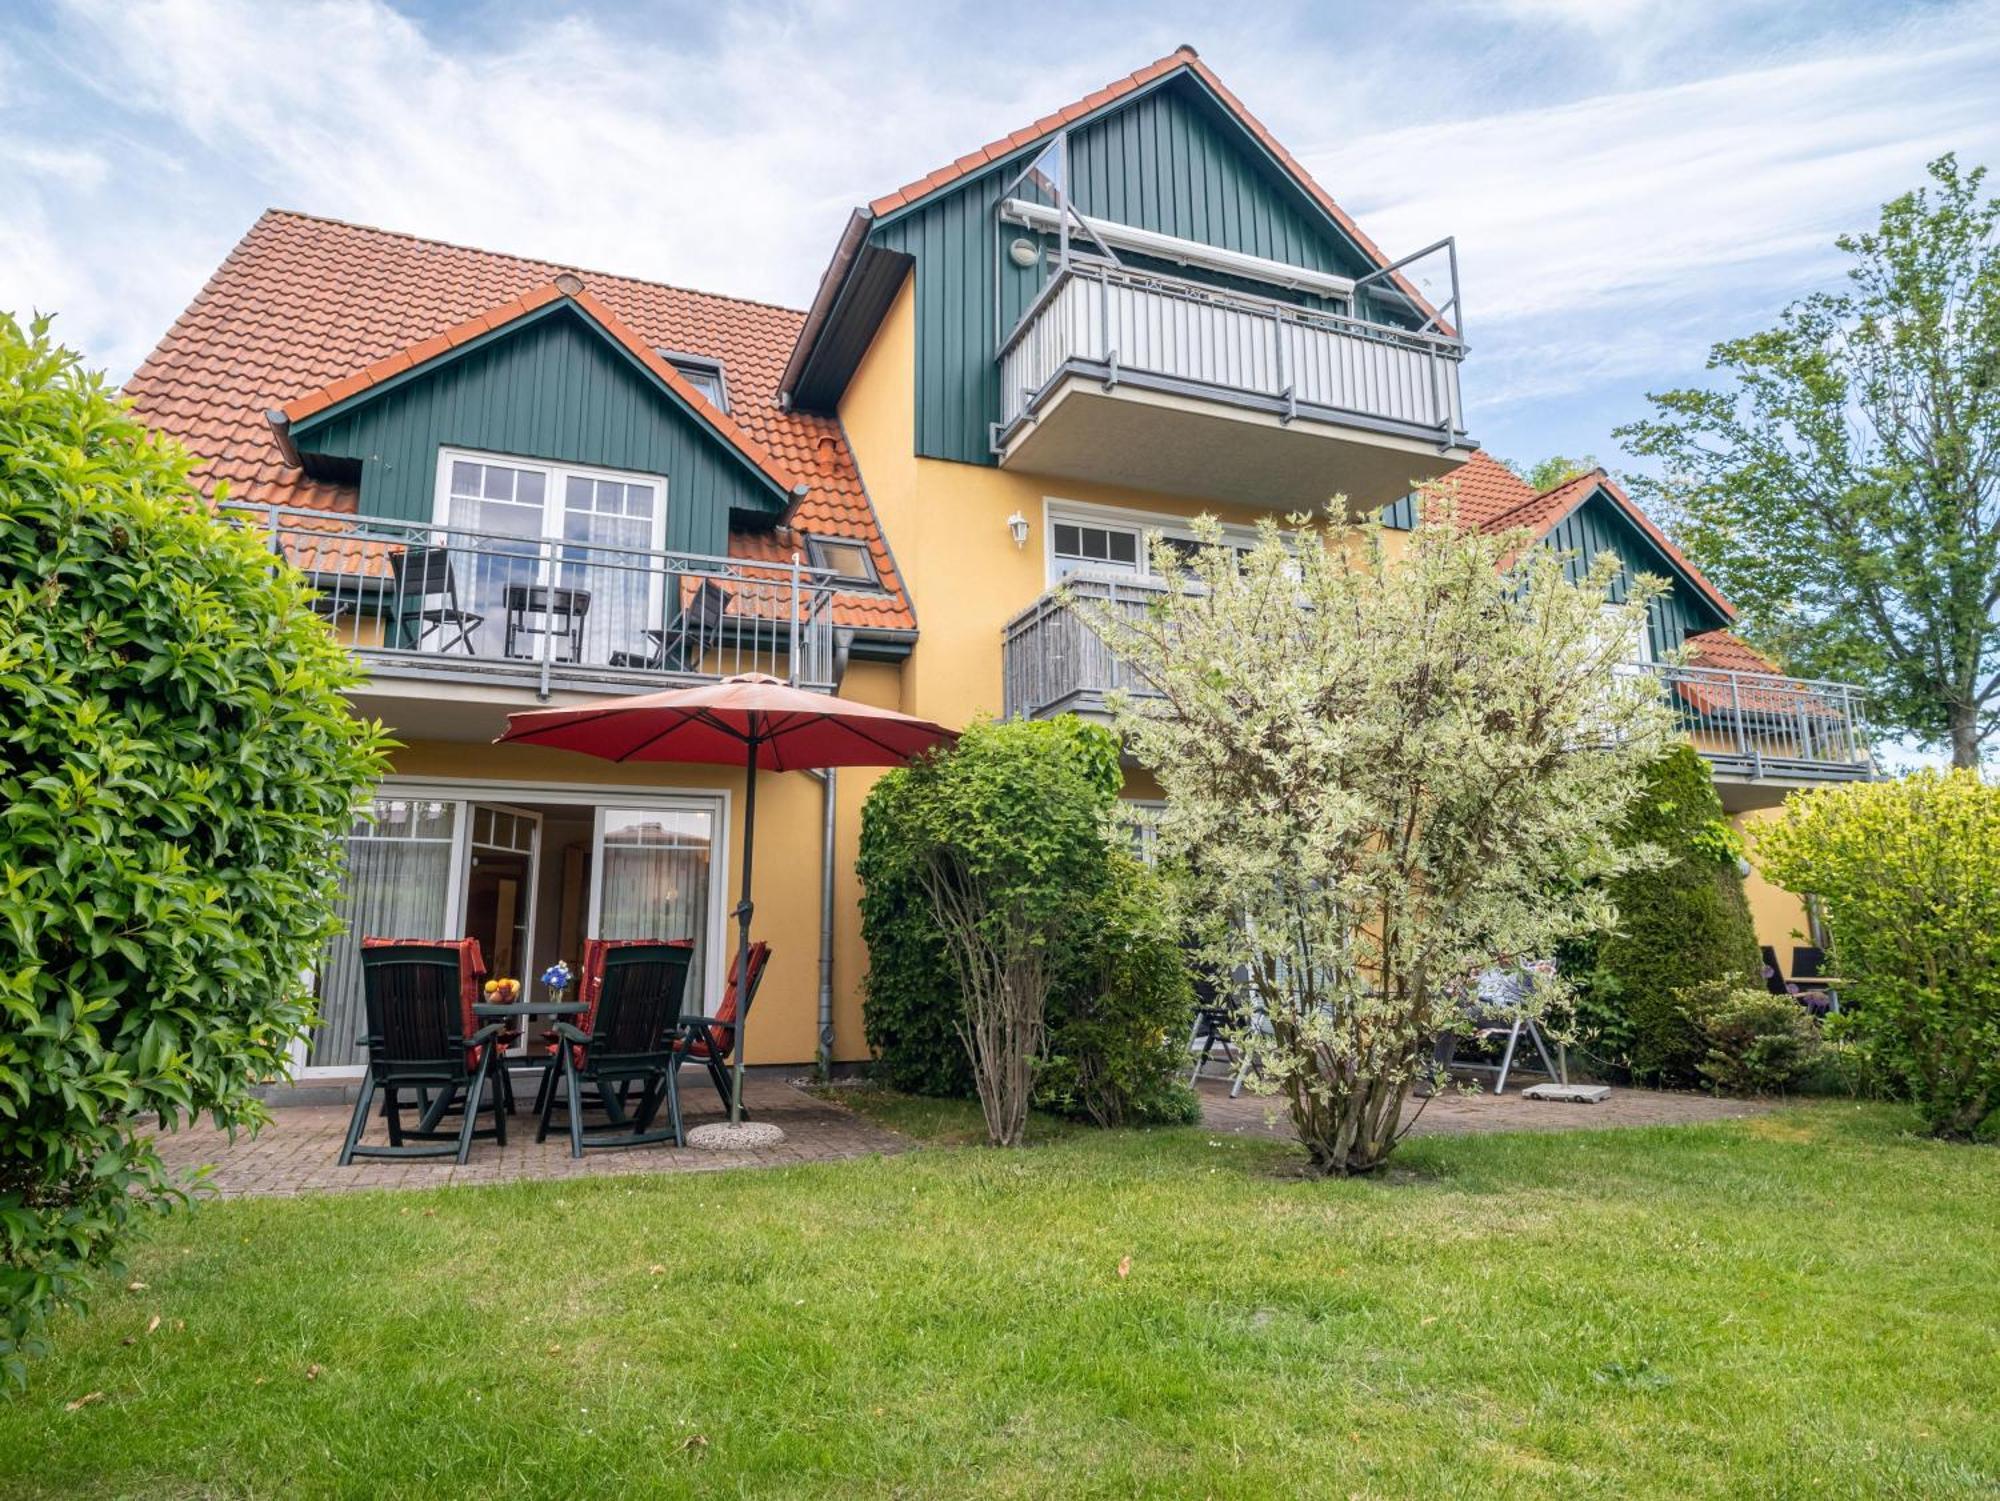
1601 210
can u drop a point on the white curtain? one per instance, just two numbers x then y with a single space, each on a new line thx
654 880
399 870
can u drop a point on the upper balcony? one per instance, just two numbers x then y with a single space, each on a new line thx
1762 733
439 612
1156 382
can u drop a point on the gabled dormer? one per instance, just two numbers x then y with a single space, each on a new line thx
1144 288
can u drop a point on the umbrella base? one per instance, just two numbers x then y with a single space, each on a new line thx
744 1136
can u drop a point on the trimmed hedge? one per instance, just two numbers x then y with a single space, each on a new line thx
1122 999
178 768
1685 923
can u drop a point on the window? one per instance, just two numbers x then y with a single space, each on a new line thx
1081 545
842 556
704 373
540 548
1102 539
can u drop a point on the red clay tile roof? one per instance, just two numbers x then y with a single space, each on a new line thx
1495 499
1727 653
1180 57
303 305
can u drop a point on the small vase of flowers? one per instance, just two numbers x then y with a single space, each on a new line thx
557 977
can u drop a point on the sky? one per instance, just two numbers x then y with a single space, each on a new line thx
1628 181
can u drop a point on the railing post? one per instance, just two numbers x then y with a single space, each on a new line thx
546 570
792 650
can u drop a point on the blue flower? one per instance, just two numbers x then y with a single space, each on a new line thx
556 976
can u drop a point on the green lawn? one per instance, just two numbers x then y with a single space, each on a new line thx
1798 1304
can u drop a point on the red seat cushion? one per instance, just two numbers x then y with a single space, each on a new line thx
590 984
471 975
696 1046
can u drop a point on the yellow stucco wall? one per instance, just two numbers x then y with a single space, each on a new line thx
787 870
947 525
1779 916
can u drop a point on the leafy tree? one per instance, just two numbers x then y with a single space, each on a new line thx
1907 874
177 770
1381 776
1556 469
1012 948
1843 486
1683 922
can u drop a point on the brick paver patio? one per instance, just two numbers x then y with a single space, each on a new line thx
1459 1114
298 1151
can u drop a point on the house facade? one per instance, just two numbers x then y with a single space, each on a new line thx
518 484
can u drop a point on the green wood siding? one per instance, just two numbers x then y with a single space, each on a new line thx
1599 526
1166 159
552 388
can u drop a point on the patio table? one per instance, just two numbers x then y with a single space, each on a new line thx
496 1011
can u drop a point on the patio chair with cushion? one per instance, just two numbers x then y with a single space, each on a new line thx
634 1028
471 979
418 1039
710 1040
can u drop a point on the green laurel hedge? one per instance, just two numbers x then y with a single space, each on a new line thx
177 770
1045 791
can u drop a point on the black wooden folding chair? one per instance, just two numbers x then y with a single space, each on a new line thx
417 1039
632 1038
420 575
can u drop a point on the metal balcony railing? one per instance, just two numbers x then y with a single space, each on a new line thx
1746 723
419 599
1187 338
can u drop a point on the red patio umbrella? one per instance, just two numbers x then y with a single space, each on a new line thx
751 720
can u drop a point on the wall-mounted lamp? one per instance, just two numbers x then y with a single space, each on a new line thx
1024 252
1017 528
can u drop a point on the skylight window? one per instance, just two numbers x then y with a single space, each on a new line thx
704 373
845 558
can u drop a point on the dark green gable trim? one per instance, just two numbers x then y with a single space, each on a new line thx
1598 524
552 385
1170 157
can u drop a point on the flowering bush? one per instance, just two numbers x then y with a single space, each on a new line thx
1380 775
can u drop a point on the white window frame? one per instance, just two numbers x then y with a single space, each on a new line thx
594 795
1090 513
554 473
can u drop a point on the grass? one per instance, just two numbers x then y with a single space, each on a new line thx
1796 1304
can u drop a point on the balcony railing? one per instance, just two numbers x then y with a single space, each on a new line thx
1187 338
422 600
1746 723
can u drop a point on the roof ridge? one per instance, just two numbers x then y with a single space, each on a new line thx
522 260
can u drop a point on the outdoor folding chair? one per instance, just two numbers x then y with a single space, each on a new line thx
420 575
683 644
709 1041
631 1040
417 1039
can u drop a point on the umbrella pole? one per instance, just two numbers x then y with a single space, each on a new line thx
744 908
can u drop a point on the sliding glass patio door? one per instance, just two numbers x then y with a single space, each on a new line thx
403 881
655 878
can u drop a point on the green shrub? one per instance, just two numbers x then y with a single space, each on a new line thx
178 769
1684 923
1758 1043
1908 879
1119 998
1118 1023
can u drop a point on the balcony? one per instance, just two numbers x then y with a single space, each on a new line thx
1149 381
1761 733
443 608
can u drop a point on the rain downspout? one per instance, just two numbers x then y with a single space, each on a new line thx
823 1057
